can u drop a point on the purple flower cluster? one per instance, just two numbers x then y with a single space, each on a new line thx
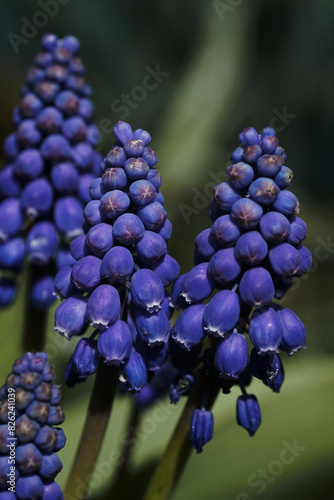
251 254
122 269
29 436
50 163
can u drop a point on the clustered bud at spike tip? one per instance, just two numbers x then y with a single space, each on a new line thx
118 281
251 254
29 434
50 163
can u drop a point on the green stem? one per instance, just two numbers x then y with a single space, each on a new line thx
34 320
178 449
122 474
97 418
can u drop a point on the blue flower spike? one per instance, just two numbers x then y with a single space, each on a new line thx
29 388
244 264
50 161
121 270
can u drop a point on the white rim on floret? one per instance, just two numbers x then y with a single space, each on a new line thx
153 307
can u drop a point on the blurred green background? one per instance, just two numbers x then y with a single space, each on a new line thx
226 65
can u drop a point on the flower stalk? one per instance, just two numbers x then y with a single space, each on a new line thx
178 449
97 419
122 475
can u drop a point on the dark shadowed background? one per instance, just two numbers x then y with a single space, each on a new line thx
219 67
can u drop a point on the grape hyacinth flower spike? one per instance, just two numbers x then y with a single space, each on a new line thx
50 163
118 282
251 254
29 418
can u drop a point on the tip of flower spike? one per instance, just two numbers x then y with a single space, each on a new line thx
49 41
123 131
70 43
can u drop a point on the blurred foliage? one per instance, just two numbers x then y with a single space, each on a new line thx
228 68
